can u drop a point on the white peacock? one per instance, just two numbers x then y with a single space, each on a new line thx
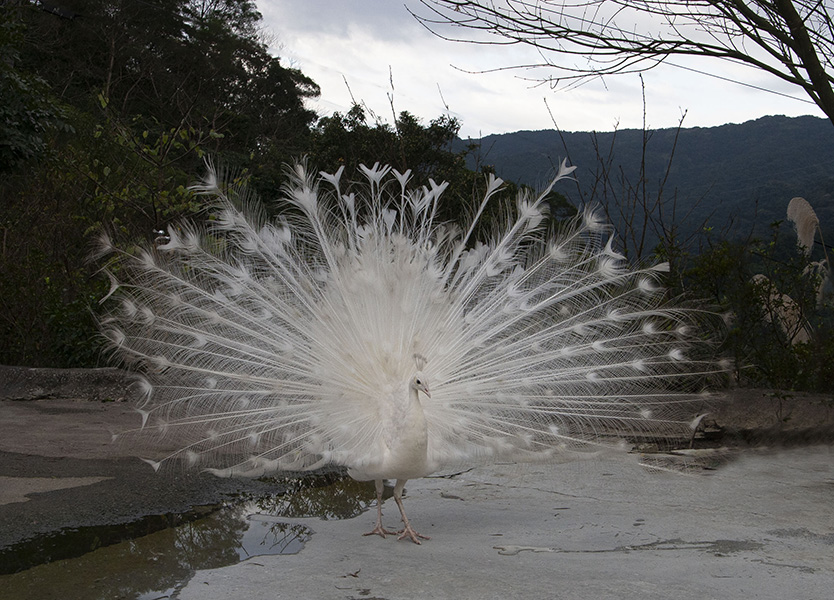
356 330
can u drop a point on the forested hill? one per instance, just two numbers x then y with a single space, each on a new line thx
747 172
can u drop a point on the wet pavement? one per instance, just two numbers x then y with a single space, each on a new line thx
59 468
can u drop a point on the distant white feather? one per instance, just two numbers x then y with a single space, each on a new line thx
802 215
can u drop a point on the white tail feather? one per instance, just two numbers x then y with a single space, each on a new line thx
290 345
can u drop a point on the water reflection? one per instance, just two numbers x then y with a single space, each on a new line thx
327 495
157 565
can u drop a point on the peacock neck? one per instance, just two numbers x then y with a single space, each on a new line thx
407 419
412 411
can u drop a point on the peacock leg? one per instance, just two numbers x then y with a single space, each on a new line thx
379 529
407 530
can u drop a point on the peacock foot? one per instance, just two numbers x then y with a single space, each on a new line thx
381 531
409 531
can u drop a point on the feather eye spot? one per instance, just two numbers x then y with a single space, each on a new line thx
676 355
192 458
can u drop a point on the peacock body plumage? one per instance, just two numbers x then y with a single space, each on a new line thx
356 330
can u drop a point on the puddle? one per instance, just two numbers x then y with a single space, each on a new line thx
171 549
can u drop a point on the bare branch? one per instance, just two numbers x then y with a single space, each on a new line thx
578 40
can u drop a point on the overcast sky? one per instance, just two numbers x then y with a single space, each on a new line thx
359 47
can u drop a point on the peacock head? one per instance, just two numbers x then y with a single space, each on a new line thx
420 384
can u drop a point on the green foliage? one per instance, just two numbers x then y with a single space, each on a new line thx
350 140
106 178
148 90
779 330
27 109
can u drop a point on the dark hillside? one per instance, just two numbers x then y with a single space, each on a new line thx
746 172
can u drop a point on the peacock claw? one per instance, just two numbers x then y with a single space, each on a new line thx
381 531
408 531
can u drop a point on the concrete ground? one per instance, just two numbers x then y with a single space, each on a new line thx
759 526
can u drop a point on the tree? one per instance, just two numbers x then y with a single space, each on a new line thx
162 64
792 40
351 140
28 112
148 87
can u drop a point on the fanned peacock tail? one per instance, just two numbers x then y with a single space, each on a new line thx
273 344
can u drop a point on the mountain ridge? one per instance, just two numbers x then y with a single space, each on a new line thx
737 177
